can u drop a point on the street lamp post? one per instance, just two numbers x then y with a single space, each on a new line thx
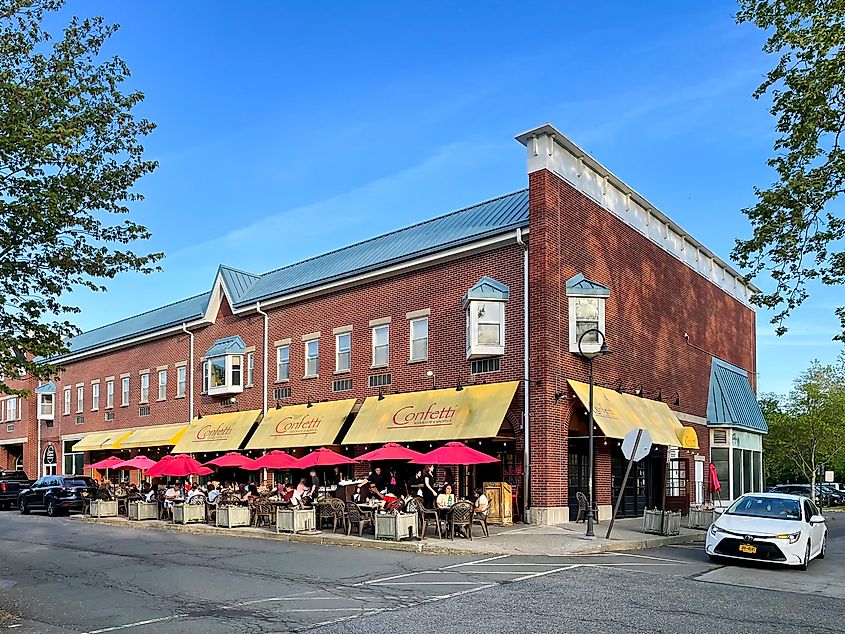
590 356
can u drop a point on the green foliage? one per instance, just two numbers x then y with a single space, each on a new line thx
797 221
70 154
807 428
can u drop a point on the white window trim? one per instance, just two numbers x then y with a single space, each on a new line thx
162 373
95 396
41 400
411 339
125 394
308 342
142 400
228 386
337 351
80 399
279 347
379 326
573 319
474 349
181 384
249 369
109 393
66 406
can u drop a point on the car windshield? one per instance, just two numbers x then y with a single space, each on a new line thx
762 506
79 482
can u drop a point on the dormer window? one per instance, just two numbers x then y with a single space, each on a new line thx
586 313
224 363
46 400
484 304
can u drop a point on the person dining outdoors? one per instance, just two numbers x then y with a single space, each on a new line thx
148 492
251 494
264 488
482 504
446 499
171 495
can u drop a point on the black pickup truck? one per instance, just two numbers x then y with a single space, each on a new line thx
12 483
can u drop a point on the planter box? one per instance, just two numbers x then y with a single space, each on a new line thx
143 510
295 520
701 518
232 516
188 513
396 526
103 508
655 522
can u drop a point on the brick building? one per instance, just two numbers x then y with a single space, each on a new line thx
419 336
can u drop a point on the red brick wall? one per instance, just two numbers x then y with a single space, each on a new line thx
654 300
24 428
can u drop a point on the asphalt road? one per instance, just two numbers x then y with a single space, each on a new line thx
58 575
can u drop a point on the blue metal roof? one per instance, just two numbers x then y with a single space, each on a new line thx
47 388
580 285
226 345
151 321
459 227
731 401
487 288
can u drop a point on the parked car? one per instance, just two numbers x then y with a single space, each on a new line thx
825 496
11 483
56 494
834 496
773 527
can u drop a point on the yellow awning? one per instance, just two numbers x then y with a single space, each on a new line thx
102 440
617 414
159 436
477 411
217 432
301 426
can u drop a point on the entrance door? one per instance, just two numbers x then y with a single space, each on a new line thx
635 496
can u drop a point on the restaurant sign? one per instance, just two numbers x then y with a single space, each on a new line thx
217 432
301 425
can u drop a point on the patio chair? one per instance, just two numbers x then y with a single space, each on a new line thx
162 508
354 515
481 520
460 516
331 511
427 517
582 509
262 508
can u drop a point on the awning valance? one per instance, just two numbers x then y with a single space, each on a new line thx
477 411
217 432
158 436
102 440
617 414
301 425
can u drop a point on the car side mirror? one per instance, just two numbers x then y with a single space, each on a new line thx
719 510
817 519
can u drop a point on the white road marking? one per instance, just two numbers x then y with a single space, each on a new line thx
675 561
474 563
435 571
432 583
137 624
545 572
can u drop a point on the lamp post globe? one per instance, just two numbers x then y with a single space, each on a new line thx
590 355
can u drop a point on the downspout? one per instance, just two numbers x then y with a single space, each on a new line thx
38 423
264 356
190 374
526 458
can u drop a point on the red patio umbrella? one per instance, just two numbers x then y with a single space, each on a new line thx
231 459
108 463
323 457
390 451
138 462
454 453
178 466
274 460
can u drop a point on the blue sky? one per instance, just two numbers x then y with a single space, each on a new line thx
286 131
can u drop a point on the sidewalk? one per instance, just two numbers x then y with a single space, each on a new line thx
520 539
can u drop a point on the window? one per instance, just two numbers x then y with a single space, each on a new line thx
343 352
109 394
72 460
181 381
250 369
341 385
80 399
205 376
419 339
144 410
312 357
281 392
66 409
586 320
95 397
225 374
485 328
124 388
381 346
145 388
49 461
379 380
282 363
10 427
586 313
109 416
481 366
45 406
162 385
12 409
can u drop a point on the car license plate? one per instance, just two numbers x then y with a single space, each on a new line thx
747 548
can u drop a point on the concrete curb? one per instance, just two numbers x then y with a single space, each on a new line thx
428 546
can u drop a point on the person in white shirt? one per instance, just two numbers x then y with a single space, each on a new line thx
482 504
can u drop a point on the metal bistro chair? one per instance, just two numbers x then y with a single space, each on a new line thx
261 508
582 509
354 515
481 520
460 516
332 510
427 517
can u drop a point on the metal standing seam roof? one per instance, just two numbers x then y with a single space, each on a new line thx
464 226
731 401
226 345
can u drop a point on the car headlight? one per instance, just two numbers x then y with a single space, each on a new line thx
715 530
792 537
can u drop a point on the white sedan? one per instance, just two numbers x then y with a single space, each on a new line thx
773 527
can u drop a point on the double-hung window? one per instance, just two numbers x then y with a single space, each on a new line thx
109 394
250 369
162 385
181 381
419 339
312 357
283 363
66 407
381 345
145 388
80 399
225 374
95 397
343 352
124 391
586 301
12 408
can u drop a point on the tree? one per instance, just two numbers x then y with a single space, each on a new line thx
797 220
807 429
70 154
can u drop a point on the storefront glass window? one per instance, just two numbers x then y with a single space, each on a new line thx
72 461
737 473
747 471
758 471
719 457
